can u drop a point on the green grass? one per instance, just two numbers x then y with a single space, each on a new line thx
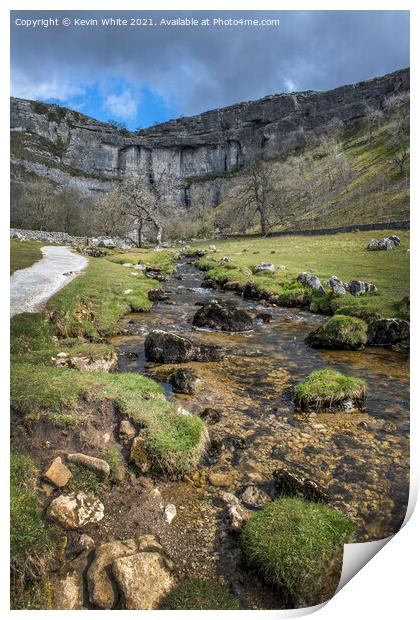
175 442
344 255
199 594
30 332
92 304
159 260
325 388
31 540
23 254
339 332
293 542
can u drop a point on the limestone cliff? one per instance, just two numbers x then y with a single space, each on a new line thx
204 150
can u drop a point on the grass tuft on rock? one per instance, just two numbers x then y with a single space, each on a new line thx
297 545
199 594
176 442
329 390
340 332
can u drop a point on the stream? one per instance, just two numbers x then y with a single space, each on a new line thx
360 459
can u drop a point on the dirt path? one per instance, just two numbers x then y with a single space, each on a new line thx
31 288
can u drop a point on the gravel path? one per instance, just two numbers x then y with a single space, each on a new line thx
31 288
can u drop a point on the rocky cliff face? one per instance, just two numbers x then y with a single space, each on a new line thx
204 150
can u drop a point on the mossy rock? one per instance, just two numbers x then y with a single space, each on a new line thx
297 545
199 594
176 442
340 332
329 390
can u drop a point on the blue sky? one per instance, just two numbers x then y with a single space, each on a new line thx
140 76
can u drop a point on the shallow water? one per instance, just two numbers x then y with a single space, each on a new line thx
363 466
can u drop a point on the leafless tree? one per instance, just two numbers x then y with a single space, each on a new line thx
373 118
398 133
144 201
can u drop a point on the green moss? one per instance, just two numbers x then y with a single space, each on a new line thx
293 543
164 261
328 389
340 332
23 254
199 594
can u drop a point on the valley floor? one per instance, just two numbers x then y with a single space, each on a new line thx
65 401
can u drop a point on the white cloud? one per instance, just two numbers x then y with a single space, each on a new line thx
291 86
121 106
55 88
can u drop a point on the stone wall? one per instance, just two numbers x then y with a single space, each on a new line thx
64 238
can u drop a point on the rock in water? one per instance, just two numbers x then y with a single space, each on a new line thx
143 578
99 466
290 485
386 332
183 380
215 315
76 510
57 473
211 416
170 348
255 497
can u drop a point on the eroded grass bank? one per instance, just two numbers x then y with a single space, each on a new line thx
77 320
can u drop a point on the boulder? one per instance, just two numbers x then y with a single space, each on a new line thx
76 510
220 479
255 497
156 294
67 585
289 484
386 243
170 348
339 332
127 430
183 380
101 591
269 267
387 332
358 287
99 466
265 317
223 317
87 363
143 579
310 281
337 286
57 473
224 260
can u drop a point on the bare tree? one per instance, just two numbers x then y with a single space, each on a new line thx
146 202
398 133
256 194
373 118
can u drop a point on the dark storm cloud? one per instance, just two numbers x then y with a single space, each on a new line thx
203 68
